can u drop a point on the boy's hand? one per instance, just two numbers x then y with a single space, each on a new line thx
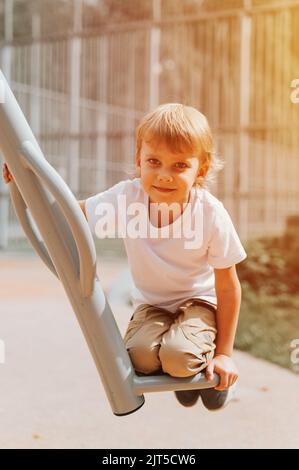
6 174
225 367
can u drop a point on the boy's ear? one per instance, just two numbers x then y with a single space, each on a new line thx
201 173
137 160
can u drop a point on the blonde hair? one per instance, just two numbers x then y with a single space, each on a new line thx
183 129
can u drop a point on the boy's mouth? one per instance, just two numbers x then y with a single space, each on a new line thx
163 190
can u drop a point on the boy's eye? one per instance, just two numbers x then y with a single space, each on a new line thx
181 165
178 165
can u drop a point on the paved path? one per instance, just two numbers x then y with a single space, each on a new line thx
51 395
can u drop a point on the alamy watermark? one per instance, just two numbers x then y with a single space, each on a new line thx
2 351
294 96
132 221
294 356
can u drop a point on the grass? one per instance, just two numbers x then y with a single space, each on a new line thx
268 325
269 316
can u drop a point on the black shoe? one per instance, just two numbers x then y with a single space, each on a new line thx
215 400
187 397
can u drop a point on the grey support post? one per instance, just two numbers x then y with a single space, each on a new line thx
65 244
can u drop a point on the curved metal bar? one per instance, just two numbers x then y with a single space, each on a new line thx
33 159
22 214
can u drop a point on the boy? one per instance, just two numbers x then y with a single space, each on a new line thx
187 295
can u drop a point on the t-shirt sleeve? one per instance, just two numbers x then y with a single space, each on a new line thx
102 210
225 248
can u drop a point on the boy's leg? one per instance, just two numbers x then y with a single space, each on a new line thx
188 346
143 337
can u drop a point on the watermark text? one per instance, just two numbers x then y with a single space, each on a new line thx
132 221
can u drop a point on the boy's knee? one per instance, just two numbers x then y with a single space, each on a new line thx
145 360
179 363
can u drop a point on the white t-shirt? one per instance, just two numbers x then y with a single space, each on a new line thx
167 269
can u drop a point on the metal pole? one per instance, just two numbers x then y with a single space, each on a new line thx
68 249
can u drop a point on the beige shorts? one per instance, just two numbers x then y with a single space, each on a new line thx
180 344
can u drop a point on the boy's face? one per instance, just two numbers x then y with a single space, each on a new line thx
167 177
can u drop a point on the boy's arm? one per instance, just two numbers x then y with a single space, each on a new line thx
82 206
228 291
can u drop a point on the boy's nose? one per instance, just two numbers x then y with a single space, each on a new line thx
165 178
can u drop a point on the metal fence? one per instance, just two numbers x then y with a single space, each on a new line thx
83 95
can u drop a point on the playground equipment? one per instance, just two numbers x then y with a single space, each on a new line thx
65 244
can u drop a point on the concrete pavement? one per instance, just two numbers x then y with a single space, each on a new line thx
51 395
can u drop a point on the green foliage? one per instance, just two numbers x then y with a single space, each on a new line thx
272 266
269 319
